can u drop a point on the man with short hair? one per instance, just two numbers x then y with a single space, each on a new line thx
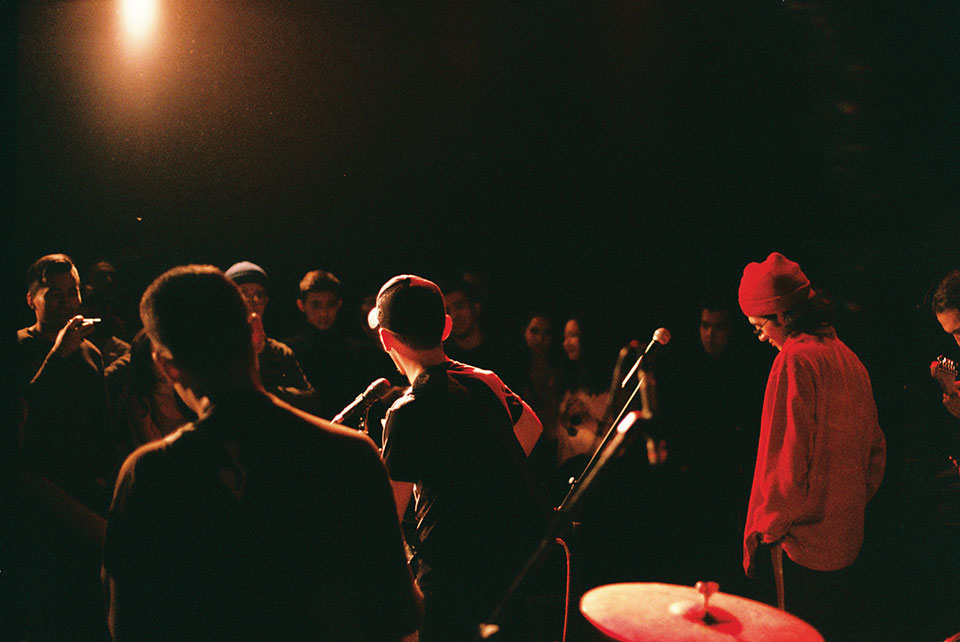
715 326
280 371
335 364
946 307
468 341
66 437
821 454
320 298
256 521
458 438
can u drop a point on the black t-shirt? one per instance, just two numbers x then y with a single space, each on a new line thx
335 366
479 512
68 435
256 522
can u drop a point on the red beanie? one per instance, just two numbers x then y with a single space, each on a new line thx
776 285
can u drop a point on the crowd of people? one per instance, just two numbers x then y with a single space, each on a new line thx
185 459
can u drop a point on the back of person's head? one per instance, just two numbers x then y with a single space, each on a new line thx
320 281
411 308
198 316
947 294
47 266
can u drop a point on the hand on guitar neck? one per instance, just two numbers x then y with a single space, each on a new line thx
945 372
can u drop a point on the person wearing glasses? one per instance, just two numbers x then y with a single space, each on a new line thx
821 453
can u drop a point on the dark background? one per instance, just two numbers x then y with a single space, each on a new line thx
624 157
617 155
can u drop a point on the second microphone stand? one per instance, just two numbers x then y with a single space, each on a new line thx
609 447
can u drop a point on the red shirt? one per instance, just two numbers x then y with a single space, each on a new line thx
821 455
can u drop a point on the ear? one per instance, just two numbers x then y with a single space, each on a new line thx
300 304
165 365
339 304
30 300
447 327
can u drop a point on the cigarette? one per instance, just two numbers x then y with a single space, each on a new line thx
91 321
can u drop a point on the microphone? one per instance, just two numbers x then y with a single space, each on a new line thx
359 406
661 336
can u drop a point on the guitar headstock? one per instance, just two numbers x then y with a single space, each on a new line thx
945 372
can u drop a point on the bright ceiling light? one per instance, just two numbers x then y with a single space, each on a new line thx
139 17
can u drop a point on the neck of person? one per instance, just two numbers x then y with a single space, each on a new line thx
200 397
414 363
46 332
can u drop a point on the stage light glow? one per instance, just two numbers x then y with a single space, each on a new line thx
139 18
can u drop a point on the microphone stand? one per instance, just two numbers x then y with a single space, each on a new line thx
646 414
612 442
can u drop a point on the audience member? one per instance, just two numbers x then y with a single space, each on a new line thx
336 365
99 301
280 370
469 341
709 395
540 378
584 395
67 455
146 404
67 436
256 521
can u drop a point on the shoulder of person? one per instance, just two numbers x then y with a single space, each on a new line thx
149 457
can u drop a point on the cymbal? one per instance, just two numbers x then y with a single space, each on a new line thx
647 611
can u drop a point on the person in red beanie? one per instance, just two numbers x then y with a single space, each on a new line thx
821 452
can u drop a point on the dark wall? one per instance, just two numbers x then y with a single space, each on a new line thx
620 155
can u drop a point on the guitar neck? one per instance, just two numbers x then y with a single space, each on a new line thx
945 371
948 365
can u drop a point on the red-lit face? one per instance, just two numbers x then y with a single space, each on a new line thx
714 331
56 301
321 309
768 330
539 335
571 340
255 296
950 321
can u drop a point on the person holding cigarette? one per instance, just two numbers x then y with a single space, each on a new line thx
65 435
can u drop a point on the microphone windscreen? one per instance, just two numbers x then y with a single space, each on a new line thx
662 336
378 388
